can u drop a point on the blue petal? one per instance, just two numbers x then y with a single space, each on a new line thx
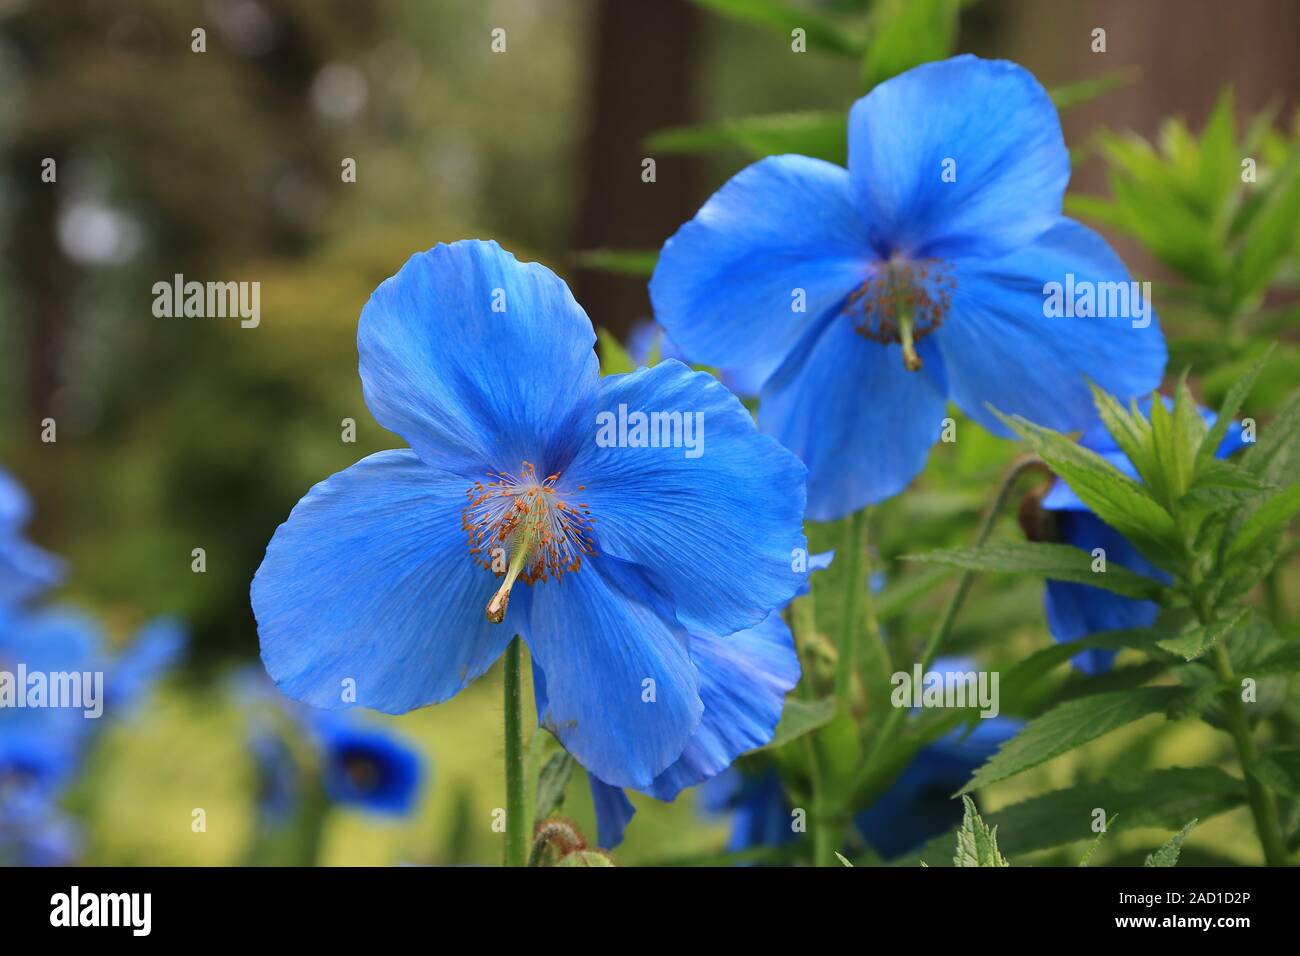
614 811
152 653
1077 610
599 635
724 286
716 533
744 678
999 347
371 580
857 418
472 389
990 117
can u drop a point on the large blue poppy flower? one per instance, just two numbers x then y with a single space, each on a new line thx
379 580
25 570
1077 610
867 297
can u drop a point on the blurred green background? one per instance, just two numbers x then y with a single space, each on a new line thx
175 434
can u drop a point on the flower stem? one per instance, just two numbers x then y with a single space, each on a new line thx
516 824
1262 807
848 638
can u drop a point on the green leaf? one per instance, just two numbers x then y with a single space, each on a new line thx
822 33
637 263
1167 855
801 717
1271 236
1230 406
977 845
1117 499
1275 454
907 33
1071 725
1059 562
1271 516
1279 769
1131 431
820 134
843 859
1093 846
551 783
614 359
1076 94
1198 638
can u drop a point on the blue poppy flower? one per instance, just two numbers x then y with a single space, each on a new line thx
153 652
867 297
1077 610
380 578
366 767
25 570
33 831
744 678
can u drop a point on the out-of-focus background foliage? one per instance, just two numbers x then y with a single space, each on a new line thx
175 434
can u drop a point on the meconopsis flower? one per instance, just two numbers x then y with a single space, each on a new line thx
25 570
1077 610
647 339
867 297
521 508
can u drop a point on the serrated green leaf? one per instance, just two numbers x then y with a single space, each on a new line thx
977 844
820 134
1117 499
1271 234
1060 562
1198 638
1275 454
1131 431
1271 516
551 783
1095 844
1071 725
1167 855
1279 769
1157 798
801 717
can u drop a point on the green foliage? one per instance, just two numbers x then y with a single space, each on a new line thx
977 843
1167 855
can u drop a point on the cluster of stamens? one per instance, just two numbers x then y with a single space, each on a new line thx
520 527
903 302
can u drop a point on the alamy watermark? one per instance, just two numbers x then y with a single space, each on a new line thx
76 690
208 300
953 689
1083 298
651 430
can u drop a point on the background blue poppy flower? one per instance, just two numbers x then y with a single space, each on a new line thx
366 767
25 569
1077 610
381 575
867 297
648 338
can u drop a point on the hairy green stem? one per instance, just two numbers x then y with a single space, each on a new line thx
517 824
846 647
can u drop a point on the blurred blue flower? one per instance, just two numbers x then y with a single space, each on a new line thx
865 298
1077 610
380 577
154 651
366 767
25 570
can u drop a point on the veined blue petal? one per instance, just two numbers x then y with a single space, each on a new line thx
370 580
851 411
619 689
1000 347
744 678
614 811
727 285
988 124
714 528
479 361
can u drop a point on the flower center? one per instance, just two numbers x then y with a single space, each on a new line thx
520 527
903 302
